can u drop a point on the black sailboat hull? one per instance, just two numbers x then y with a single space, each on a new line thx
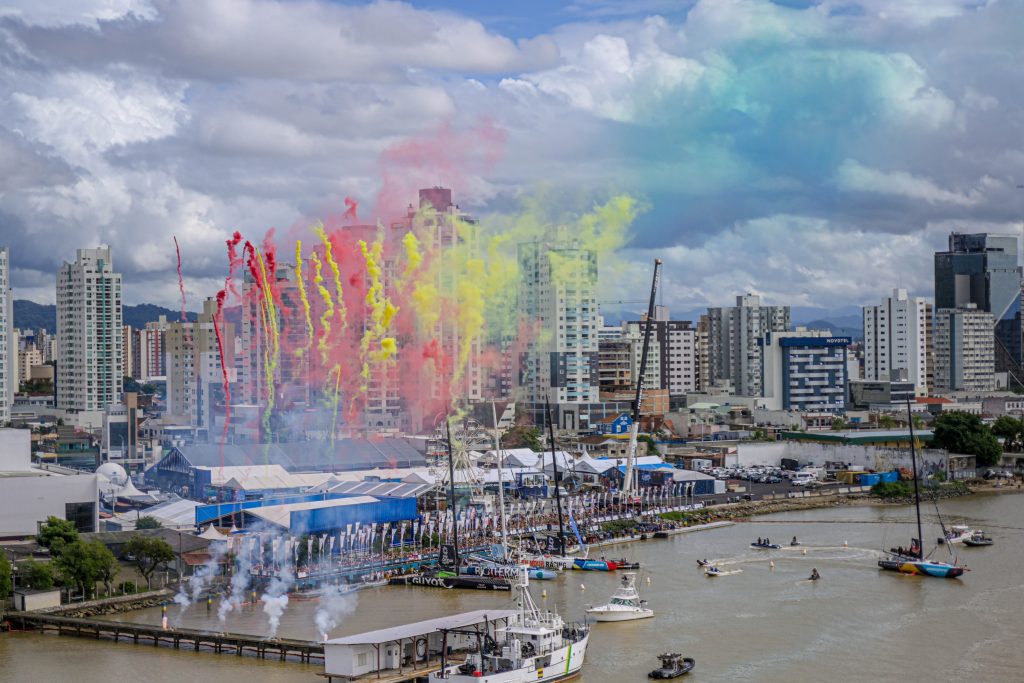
483 583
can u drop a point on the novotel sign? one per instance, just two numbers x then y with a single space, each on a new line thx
815 341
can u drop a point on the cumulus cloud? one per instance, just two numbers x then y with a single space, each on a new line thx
855 177
796 149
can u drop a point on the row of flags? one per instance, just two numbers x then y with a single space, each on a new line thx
358 539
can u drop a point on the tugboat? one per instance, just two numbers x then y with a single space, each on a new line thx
673 665
535 647
625 605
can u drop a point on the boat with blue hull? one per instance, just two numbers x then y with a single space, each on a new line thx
912 560
910 565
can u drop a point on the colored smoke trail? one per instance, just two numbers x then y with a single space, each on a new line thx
325 319
430 310
181 281
301 281
332 264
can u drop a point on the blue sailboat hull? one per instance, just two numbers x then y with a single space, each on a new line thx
939 570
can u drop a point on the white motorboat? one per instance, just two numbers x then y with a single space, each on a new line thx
536 647
625 605
957 533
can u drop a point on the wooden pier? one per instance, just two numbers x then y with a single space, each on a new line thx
285 649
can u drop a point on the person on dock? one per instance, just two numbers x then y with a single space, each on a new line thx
814 574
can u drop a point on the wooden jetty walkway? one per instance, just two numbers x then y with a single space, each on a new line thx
239 644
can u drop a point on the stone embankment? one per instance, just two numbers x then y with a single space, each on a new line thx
116 605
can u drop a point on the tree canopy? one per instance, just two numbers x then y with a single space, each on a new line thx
82 564
149 553
56 533
37 575
960 432
5 578
148 522
1010 430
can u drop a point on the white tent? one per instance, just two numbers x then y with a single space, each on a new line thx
212 534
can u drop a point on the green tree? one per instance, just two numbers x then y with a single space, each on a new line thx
522 436
1010 430
5 580
886 421
82 564
652 445
37 575
107 566
838 424
56 533
149 553
148 522
960 432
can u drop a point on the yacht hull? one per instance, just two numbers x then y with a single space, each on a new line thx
620 615
938 570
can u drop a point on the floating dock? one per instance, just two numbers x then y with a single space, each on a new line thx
284 649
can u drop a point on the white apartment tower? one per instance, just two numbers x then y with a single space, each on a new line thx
90 362
964 349
734 335
897 339
8 345
557 294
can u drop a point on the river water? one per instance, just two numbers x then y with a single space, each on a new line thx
763 623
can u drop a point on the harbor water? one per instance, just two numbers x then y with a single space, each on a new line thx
763 623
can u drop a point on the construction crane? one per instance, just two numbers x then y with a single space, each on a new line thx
627 482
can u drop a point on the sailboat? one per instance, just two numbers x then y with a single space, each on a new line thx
447 573
912 560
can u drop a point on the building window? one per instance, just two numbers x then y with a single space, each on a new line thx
82 515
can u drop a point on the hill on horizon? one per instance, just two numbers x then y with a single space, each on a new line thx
32 316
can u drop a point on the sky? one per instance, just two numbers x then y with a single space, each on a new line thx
816 153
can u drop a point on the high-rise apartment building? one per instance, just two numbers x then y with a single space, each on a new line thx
8 344
28 359
194 373
805 370
897 340
441 223
557 294
90 361
129 351
982 269
734 335
703 379
964 349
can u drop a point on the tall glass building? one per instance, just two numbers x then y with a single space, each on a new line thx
982 269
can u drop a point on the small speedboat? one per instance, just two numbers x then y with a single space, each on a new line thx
978 539
765 546
625 605
703 563
672 666
711 570
625 564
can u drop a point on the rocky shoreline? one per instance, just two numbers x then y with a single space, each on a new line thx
116 605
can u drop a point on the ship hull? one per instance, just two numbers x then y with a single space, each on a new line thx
563 664
938 570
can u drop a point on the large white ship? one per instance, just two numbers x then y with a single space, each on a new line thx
536 647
